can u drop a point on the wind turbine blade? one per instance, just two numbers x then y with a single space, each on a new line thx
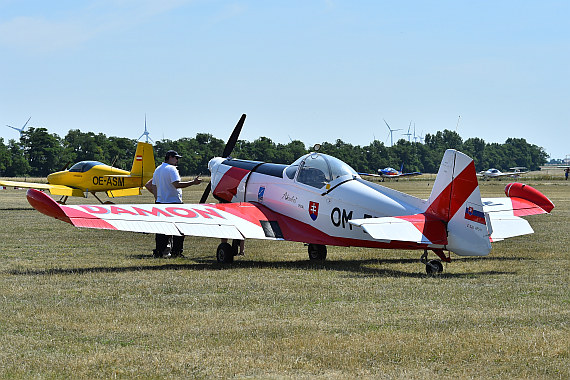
26 123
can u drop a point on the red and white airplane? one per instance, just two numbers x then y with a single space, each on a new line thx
320 200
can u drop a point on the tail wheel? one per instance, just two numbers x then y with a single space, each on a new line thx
317 252
225 253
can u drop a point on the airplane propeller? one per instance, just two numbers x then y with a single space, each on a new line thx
230 145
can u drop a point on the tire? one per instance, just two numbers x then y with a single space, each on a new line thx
317 252
434 267
225 253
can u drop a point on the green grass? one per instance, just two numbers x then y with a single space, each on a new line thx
79 303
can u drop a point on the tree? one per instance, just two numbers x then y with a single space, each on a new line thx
18 165
43 151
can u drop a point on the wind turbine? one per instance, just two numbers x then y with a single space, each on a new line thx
391 132
408 134
145 133
21 130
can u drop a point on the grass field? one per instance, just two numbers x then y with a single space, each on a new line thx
79 303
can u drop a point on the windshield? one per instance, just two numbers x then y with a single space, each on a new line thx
317 169
83 166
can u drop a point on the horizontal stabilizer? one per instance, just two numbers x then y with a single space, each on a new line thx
418 228
124 192
505 226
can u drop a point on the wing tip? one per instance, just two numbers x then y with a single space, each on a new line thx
46 205
529 193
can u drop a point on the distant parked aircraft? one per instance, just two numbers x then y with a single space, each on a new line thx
496 173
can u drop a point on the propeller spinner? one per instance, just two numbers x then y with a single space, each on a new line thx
232 141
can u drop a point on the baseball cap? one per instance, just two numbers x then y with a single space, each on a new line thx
172 153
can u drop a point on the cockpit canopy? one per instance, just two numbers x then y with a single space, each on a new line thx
317 169
83 166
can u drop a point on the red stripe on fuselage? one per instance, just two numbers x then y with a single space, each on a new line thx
448 202
226 188
294 230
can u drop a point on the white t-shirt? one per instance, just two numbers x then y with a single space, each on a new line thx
162 178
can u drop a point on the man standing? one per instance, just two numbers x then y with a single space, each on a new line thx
166 186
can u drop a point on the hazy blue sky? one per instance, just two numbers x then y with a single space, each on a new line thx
310 70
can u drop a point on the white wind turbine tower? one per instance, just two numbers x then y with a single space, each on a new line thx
145 133
408 134
391 132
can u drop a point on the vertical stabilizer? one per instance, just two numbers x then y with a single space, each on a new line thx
456 200
143 162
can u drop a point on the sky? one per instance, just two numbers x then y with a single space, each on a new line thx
313 71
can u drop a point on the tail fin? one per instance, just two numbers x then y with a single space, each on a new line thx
455 199
143 162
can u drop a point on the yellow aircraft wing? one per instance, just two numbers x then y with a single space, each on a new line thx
53 189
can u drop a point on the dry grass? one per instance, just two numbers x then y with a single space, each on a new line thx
80 303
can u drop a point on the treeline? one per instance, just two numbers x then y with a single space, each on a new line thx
38 152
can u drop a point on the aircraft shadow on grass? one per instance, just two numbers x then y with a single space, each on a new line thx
356 268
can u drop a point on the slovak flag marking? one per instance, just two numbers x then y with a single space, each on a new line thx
474 215
313 210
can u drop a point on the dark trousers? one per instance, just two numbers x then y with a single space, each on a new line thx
163 241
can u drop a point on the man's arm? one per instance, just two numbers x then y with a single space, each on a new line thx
183 184
150 187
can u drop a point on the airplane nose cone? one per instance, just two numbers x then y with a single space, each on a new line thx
52 178
214 163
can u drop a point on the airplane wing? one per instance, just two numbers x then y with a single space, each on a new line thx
53 189
409 174
370 174
229 220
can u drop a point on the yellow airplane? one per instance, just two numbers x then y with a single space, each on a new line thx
92 176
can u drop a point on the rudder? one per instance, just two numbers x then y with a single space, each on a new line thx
143 162
456 200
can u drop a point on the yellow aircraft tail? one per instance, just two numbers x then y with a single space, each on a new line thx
143 163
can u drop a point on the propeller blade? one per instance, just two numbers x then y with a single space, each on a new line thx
230 145
206 193
234 137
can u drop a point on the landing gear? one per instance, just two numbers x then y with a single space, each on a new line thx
317 252
434 266
225 253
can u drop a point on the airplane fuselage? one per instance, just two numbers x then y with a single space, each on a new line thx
95 177
319 212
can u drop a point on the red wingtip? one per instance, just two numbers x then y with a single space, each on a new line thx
529 193
46 205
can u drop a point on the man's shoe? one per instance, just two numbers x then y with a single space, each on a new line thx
175 255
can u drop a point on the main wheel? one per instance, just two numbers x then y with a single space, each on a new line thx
434 266
317 252
225 253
